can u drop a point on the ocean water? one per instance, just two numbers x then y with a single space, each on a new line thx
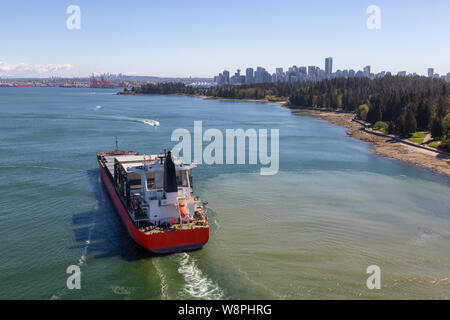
309 232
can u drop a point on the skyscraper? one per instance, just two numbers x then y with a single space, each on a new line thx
430 72
302 70
259 74
236 78
274 77
312 72
367 71
226 75
249 75
279 72
328 66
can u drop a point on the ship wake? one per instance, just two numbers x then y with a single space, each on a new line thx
148 122
197 285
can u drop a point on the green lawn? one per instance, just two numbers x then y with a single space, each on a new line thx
434 144
418 137
416 140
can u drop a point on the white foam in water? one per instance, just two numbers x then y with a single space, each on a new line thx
218 226
98 107
83 257
197 285
121 290
162 277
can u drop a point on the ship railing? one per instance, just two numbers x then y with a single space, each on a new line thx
140 219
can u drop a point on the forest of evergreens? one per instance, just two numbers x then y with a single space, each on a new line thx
163 88
399 105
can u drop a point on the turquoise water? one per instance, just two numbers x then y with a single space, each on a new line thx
308 232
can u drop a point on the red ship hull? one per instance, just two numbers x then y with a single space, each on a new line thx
164 242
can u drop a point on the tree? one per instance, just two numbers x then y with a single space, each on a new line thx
380 125
362 111
446 125
436 128
445 144
391 128
410 123
400 126
442 106
424 114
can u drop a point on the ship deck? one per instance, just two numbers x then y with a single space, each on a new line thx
109 164
127 160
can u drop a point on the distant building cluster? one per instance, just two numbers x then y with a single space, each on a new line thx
310 73
46 82
105 80
431 74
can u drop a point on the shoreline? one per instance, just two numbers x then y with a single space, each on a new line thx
388 147
281 102
383 146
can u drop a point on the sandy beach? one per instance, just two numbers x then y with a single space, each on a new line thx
382 146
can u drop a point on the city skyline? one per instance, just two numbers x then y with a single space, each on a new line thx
327 71
311 73
182 39
251 75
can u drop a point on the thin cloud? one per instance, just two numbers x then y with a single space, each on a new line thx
26 69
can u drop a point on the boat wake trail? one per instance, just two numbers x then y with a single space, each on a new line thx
82 260
149 122
197 285
98 117
96 179
162 277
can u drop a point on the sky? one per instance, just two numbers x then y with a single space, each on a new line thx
181 38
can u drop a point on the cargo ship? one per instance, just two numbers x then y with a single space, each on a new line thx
153 195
